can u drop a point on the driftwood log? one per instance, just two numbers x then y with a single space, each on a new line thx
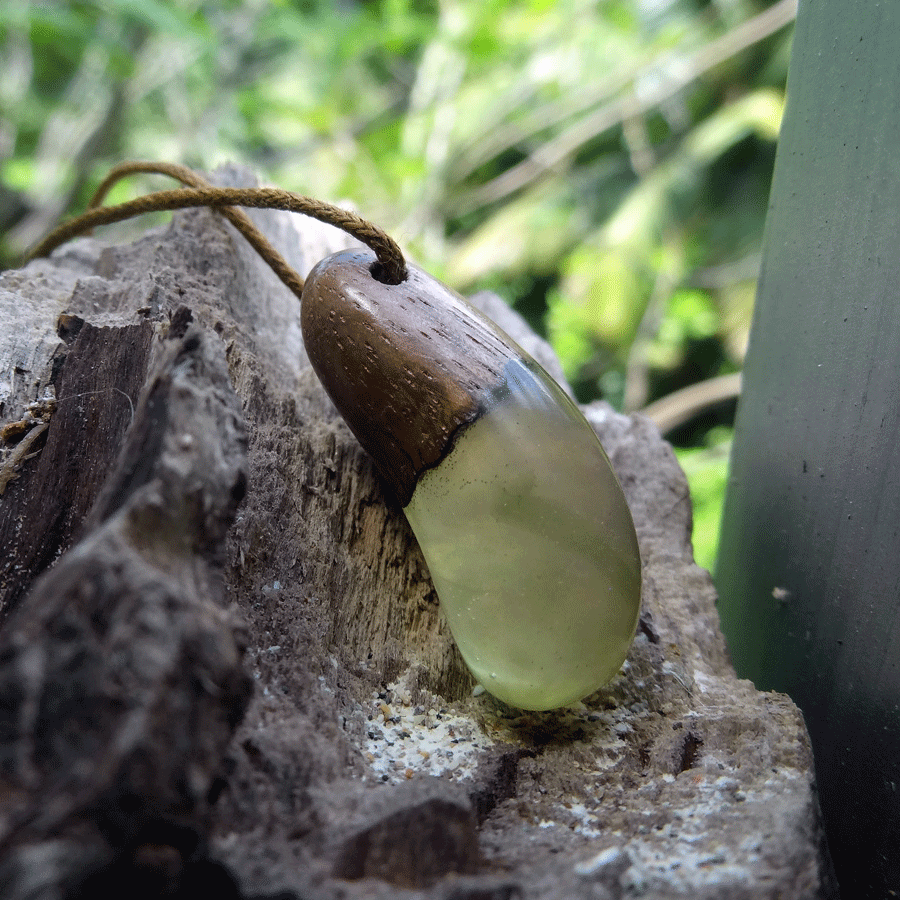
222 662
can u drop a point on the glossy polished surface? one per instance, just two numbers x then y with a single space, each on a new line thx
531 546
407 364
523 524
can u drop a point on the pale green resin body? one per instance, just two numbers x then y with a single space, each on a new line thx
531 547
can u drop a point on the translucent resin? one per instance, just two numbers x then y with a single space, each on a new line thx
531 546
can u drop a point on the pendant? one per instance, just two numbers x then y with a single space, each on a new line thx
520 518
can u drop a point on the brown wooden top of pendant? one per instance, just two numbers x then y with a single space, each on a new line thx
407 365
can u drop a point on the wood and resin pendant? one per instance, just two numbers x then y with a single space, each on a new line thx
522 522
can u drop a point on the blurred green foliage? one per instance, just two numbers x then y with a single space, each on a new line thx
602 165
706 468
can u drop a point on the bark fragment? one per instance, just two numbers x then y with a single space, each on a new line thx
121 671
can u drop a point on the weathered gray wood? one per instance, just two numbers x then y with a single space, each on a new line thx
89 417
365 750
809 565
121 671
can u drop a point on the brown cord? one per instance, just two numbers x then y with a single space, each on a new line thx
235 215
188 177
390 269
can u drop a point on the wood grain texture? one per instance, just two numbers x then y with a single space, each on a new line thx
121 670
408 365
96 377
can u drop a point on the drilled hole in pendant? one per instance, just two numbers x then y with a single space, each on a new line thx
379 273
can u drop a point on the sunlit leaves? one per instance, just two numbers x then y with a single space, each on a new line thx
495 139
706 469
609 279
603 164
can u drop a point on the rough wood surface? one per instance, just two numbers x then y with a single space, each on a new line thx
366 766
121 671
92 417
